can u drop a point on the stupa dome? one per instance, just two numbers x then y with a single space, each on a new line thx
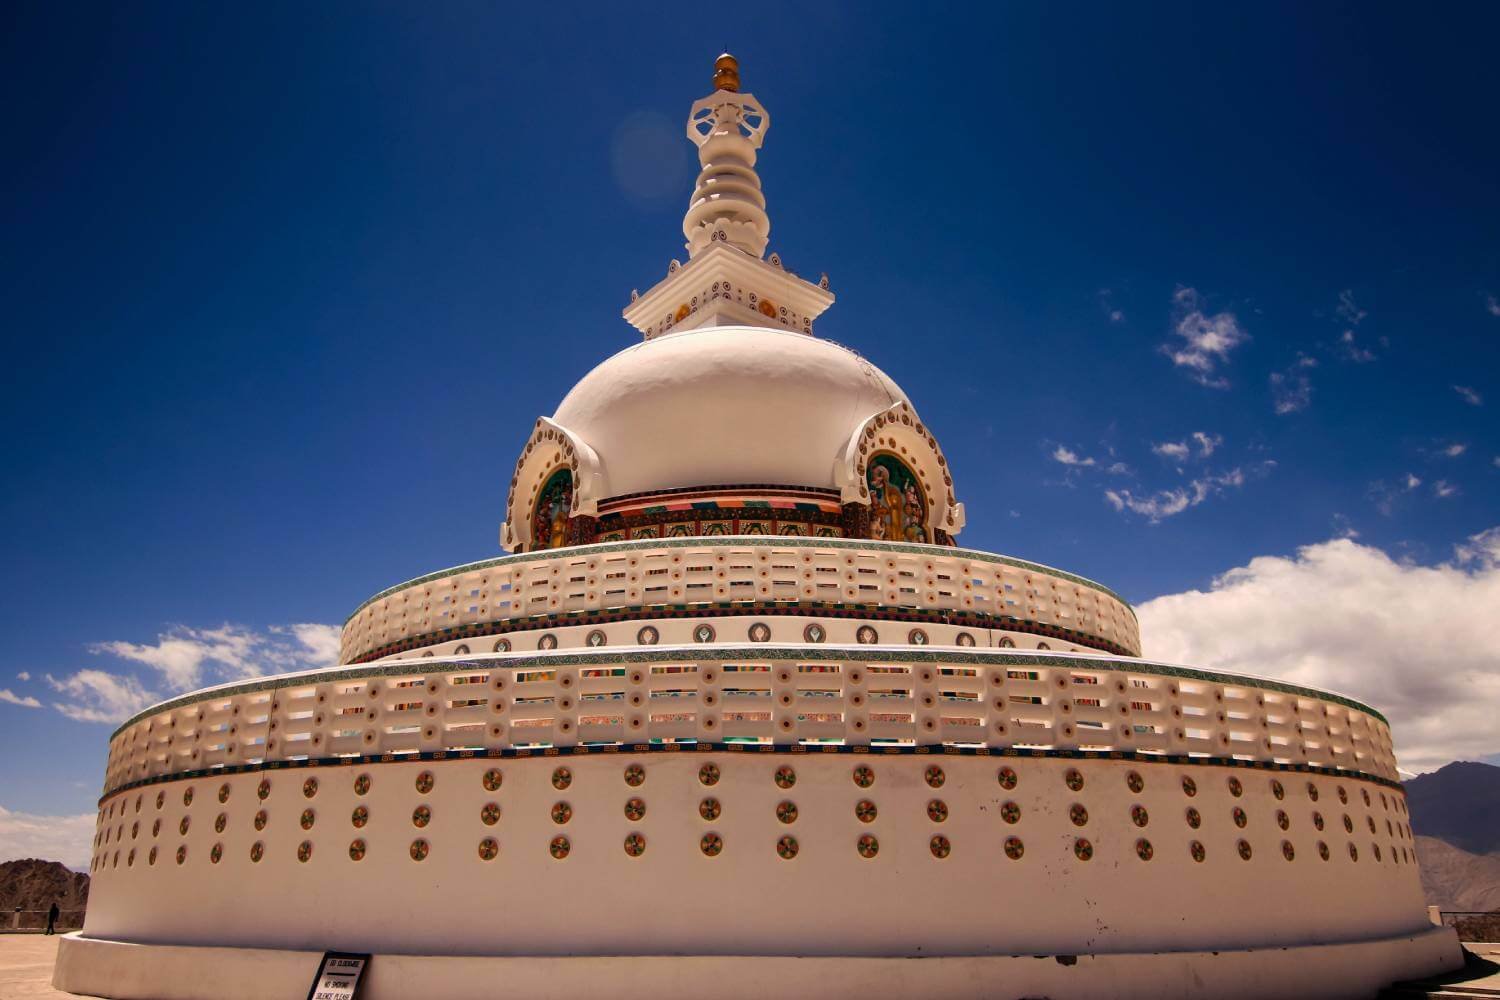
725 405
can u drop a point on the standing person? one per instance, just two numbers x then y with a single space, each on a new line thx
52 919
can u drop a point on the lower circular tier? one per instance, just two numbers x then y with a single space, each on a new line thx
671 850
1349 969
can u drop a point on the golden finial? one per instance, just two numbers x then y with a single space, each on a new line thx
727 73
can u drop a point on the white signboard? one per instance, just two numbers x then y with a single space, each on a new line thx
338 976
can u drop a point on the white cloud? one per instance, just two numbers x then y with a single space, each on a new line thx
1347 310
68 839
1177 451
24 675
1454 450
100 696
1067 456
185 658
1443 488
1496 461
1165 503
1492 305
6 694
1387 496
1353 350
1326 618
1118 469
1116 316
1469 395
1291 390
1207 340
1207 443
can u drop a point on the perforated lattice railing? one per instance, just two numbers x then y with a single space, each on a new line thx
876 696
636 576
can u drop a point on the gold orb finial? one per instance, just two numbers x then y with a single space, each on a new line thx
727 73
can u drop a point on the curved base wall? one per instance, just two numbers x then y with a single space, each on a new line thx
1353 969
784 852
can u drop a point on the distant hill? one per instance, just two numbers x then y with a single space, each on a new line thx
33 884
1458 804
1454 879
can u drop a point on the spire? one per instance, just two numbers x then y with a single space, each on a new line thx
728 279
728 127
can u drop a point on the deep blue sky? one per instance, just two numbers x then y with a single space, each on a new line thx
286 284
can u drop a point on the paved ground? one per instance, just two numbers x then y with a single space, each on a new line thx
26 972
26 967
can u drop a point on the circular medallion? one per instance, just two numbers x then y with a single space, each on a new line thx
648 636
1235 788
867 846
785 777
489 847
787 812
940 847
1240 819
419 849
310 787
561 813
1078 814
421 816
263 789
635 809
362 784
864 776
1014 848
224 792
257 851
866 636
308 818
708 774
182 827
1194 819
561 778
1282 820
865 811
1143 849
356 850
1135 782
635 845
260 820
596 639
216 853
1197 851
547 641
1288 851
786 848
934 776
491 780
1189 787
711 844
937 810
965 639
1011 813
220 822
814 633
559 847
1322 850
489 813
1139 816
635 775
1277 790
1073 779
359 817
710 809
425 781
1318 820
703 632
1244 849
760 632
1312 791
1007 778
304 851
181 854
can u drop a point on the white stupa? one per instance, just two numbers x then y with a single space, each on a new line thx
737 716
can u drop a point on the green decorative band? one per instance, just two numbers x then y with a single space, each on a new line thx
745 653
935 750
731 609
743 542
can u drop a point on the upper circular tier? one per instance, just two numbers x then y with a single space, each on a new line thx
725 405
